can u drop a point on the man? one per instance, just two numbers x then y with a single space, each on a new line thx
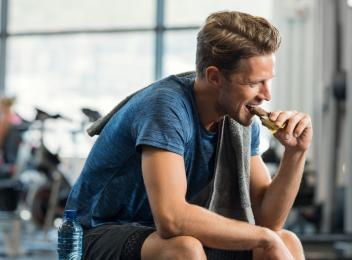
157 153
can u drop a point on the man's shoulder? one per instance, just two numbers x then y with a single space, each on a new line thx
173 90
177 83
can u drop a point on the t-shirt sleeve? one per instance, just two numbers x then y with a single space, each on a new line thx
161 121
255 139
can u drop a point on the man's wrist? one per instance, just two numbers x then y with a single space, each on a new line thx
294 153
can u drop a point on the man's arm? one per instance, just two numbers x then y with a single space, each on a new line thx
272 200
165 181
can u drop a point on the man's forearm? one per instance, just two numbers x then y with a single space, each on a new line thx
280 195
217 231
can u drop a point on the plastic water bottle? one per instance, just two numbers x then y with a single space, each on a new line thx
70 236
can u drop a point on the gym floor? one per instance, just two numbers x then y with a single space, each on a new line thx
34 244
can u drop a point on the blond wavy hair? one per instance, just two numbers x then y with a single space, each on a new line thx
228 37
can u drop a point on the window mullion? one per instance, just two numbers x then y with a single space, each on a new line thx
3 39
159 38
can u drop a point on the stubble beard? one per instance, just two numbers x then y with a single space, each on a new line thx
230 111
238 115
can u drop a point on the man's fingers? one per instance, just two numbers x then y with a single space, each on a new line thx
280 117
302 125
292 123
296 122
273 115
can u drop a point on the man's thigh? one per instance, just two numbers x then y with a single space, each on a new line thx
186 247
181 247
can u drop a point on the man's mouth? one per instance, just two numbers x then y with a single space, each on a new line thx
250 108
256 110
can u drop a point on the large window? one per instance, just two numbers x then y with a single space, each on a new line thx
62 55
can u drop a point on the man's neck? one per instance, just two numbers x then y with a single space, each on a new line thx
206 100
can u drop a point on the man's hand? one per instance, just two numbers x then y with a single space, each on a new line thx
297 134
275 249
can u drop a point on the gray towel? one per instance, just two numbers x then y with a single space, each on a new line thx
230 193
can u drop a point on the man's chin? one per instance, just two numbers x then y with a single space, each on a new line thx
242 121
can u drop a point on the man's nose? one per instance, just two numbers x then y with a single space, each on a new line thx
265 92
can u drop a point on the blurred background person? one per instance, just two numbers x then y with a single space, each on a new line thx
10 136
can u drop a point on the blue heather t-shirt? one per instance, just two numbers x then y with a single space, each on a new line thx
110 188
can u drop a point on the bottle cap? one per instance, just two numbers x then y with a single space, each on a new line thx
70 213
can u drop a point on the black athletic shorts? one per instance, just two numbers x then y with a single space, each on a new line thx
115 242
124 242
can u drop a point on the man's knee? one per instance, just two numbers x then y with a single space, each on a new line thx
182 247
185 247
293 243
289 237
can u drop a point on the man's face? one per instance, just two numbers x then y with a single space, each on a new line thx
249 86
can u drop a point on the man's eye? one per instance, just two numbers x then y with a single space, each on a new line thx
254 84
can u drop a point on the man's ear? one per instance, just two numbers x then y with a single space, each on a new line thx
213 76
